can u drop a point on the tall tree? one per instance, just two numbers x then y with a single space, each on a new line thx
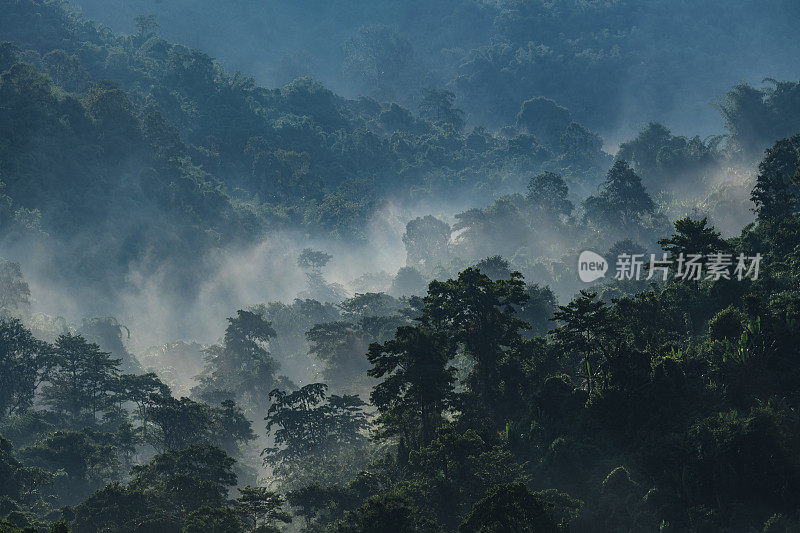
138 388
340 346
693 237
309 427
438 106
313 261
181 423
14 291
479 316
83 380
242 364
547 193
417 386
262 509
622 202
543 118
185 480
585 326
24 364
426 240
776 192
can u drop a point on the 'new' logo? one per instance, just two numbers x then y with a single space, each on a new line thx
591 266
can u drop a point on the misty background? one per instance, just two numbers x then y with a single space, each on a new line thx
406 140
609 70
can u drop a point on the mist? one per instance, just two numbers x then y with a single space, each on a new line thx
313 267
699 55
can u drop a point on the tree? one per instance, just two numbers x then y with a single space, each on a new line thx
383 512
693 237
341 347
775 193
18 482
623 201
262 509
408 282
14 291
547 193
310 426
230 428
314 261
182 423
543 118
585 326
8 55
381 59
509 507
479 316
242 364
456 467
426 240
417 386
24 365
138 388
370 304
581 147
185 480
83 456
437 105
108 333
209 519
747 118
146 24
117 508
83 379
538 309
66 70
642 151
179 423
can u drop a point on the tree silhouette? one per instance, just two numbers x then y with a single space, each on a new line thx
417 386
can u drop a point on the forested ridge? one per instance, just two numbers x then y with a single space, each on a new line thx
472 384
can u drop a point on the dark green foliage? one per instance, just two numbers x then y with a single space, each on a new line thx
178 424
24 363
131 164
775 191
426 240
213 520
187 479
312 430
82 381
14 291
242 365
417 387
693 237
548 193
756 118
479 316
88 461
408 282
666 161
586 334
117 507
622 203
386 512
544 118
511 507
19 483
438 106
262 508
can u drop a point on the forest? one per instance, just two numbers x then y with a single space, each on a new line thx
314 267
